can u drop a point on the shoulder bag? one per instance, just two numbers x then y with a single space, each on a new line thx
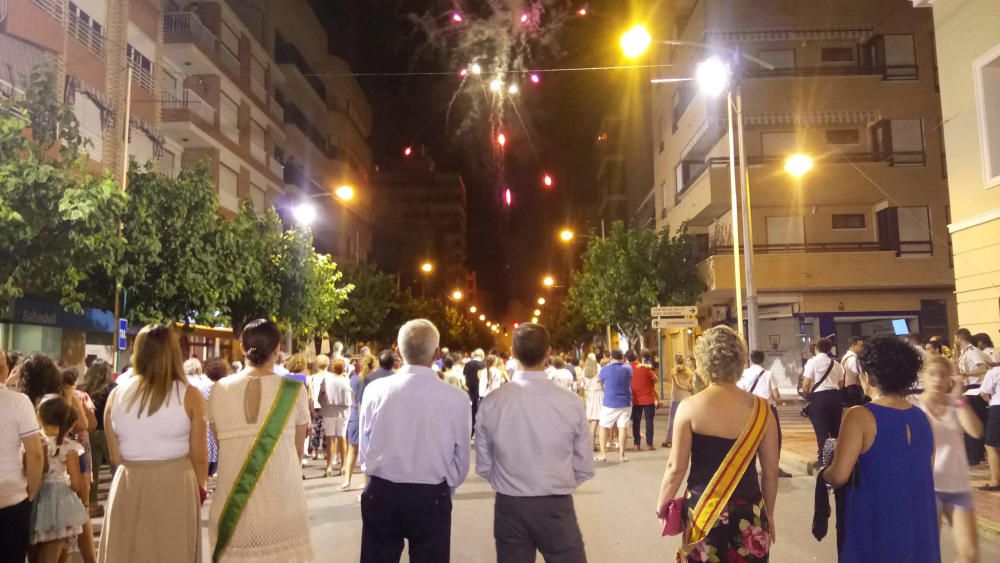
812 392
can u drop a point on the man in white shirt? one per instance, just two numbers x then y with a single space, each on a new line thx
534 447
338 354
512 366
19 480
822 380
758 381
990 391
972 366
853 392
414 445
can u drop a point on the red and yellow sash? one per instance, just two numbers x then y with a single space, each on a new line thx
716 496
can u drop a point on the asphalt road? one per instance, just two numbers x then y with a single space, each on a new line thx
615 511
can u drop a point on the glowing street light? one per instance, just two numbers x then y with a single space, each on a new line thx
482 317
456 295
488 324
473 309
534 320
635 41
496 85
512 89
344 193
713 76
541 301
566 235
798 164
427 267
548 281
475 68
304 214
537 312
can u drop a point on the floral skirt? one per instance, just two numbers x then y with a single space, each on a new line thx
740 535
316 432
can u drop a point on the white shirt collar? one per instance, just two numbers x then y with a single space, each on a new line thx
529 375
418 370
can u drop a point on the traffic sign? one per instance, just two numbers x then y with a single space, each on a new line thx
684 311
122 329
661 323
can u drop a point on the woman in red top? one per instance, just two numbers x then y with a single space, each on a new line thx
644 398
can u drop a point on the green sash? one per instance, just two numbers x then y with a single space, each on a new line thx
255 462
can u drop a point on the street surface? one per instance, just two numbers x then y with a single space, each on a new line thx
615 510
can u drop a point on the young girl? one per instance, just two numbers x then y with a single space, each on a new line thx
951 417
58 515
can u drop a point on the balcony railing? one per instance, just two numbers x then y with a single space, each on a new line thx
258 152
51 7
277 168
276 109
229 62
689 173
803 247
142 76
258 89
186 27
189 100
849 70
86 34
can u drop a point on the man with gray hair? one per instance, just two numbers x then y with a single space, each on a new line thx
414 445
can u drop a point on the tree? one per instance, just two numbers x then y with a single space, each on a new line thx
569 328
631 271
371 306
180 266
324 299
256 243
58 225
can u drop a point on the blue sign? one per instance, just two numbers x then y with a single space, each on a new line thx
122 329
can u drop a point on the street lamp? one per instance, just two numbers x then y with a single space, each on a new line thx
456 295
344 193
713 76
548 281
304 213
427 267
534 320
635 41
537 312
541 301
473 309
566 235
482 317
798 164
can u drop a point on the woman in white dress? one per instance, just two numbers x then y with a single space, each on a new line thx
273 523
594 393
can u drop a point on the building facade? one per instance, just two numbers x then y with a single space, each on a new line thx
968 53
861 240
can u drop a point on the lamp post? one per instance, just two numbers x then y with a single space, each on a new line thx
714 77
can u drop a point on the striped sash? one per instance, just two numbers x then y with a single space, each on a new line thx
255 462
719 490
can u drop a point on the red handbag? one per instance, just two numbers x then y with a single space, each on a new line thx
670 516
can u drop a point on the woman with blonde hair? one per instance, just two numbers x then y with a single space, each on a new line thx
726 507
681 387
157 436
260 419
593 394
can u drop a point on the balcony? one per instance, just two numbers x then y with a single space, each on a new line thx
286 53
87 35
142 76
277 168
230 63
258 89
51 7
187 100
258 152
186 27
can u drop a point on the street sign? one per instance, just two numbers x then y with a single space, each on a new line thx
661 323
684 311
122 329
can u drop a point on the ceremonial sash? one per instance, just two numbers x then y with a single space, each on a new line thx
255 462
719 490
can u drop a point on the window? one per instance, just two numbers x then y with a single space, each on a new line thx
842 137
914 230
228 192
900 57
777 143
89 117
780 59
229 117
165 165
659 133
986 77
140 146
258 196
785 231
849 221
899 142
257 135
682 99
230 40
836 55
138 60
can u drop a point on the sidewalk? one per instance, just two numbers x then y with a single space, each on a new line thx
798 453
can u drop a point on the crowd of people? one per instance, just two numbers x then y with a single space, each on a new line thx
896 425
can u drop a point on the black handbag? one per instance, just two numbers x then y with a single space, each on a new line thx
809 398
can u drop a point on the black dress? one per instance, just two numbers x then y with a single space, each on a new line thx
741 534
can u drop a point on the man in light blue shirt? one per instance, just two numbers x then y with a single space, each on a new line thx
534 447
616 408
414 445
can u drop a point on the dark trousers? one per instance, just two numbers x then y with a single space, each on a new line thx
15 523
392 512
975 448
475 408
522 525
825 411
638 411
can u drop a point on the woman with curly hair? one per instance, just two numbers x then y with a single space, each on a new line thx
885 456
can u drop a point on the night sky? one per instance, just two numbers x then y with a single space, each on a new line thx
509 249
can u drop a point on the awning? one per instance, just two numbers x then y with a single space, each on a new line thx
855 33
809 119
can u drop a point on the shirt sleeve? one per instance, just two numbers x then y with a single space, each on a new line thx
807 372
583 449
302 408
367 415
27 422
462 452
484 442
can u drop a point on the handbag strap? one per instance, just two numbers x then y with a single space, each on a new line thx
757 380
723 484
822 379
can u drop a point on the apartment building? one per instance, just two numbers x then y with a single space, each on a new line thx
328 124
422 216
968 51
859 245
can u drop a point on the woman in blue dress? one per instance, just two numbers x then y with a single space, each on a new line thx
884 457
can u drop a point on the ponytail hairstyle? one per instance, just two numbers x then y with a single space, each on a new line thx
260 338
55 410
